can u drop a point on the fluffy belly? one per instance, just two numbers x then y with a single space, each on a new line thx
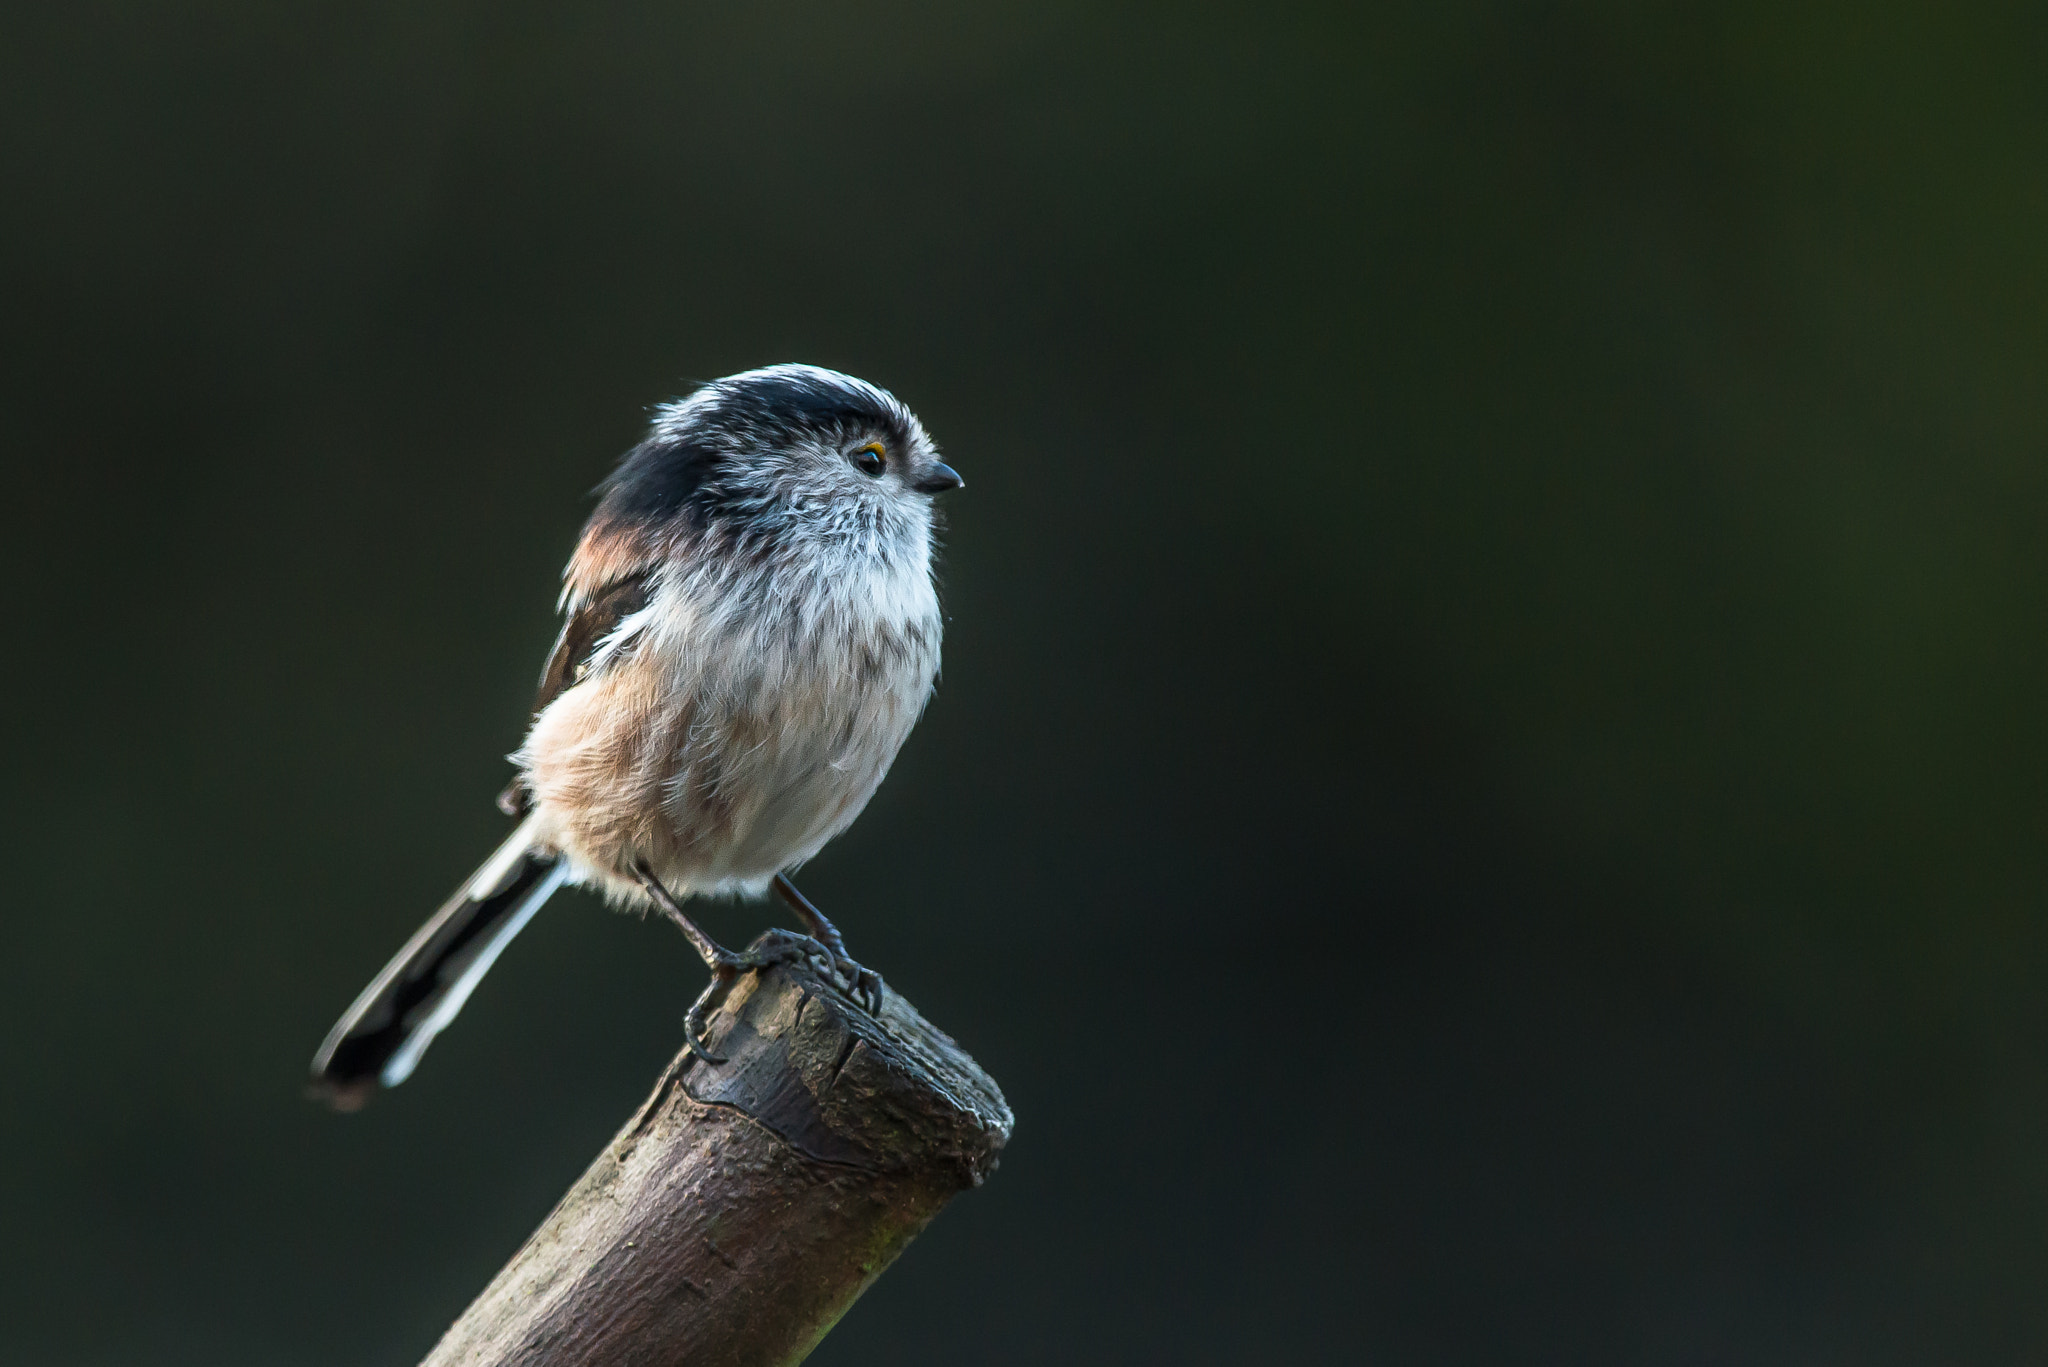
718 782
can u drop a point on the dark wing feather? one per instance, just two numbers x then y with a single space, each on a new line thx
597 618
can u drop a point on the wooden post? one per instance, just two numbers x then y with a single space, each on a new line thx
744 1209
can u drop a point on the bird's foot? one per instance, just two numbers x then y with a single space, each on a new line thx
725 965
859 982
825 954
854 978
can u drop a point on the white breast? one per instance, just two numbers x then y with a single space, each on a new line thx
747 723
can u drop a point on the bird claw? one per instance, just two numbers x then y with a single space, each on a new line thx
694 1027
864 985
822 951
860 983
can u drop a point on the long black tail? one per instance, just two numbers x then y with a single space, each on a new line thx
379 1040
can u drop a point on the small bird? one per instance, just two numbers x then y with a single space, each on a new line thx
750 631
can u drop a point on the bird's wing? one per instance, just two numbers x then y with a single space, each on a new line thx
598 627
592 635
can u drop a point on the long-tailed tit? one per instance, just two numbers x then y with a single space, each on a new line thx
750 632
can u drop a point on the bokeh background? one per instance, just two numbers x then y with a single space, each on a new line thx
1487 800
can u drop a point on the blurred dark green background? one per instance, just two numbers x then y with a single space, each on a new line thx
1487 801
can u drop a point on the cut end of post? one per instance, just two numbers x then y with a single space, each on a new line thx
748 1204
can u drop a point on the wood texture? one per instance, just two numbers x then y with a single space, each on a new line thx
733 1221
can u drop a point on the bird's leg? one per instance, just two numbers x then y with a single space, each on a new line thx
723 963
822 930
865 983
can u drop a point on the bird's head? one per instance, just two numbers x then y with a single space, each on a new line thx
782 456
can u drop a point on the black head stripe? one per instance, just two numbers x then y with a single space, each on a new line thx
655 481
796 403
694 464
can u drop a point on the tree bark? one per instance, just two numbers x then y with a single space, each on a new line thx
744 1209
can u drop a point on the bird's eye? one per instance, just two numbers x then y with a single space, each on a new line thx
871 459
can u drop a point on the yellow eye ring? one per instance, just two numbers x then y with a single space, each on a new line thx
871 459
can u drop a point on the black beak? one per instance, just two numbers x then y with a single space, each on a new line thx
939 478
